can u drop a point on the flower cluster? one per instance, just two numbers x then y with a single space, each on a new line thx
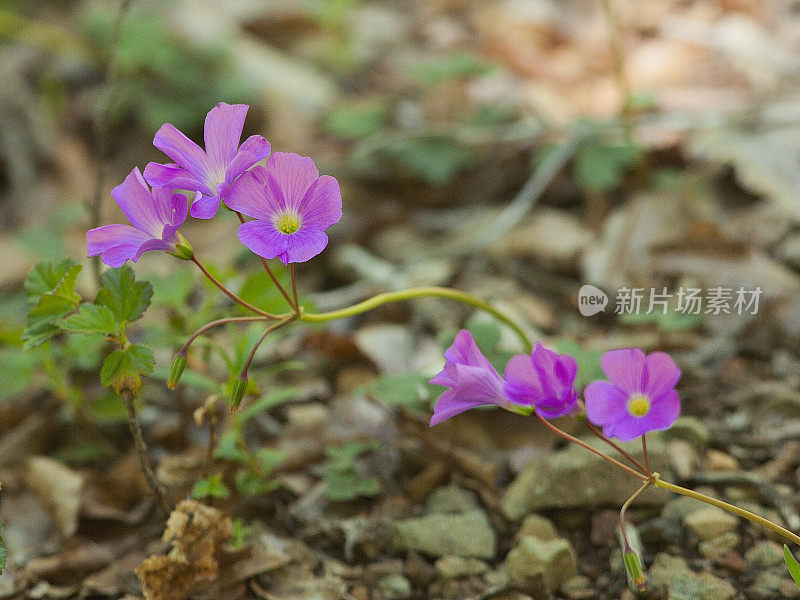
291 203
639 397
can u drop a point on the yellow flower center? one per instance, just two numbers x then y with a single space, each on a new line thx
638 405
288 224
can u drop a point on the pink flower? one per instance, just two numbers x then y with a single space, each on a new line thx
639 397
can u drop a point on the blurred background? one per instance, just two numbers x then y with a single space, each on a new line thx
515 149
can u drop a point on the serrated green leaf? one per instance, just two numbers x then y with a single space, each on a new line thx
40 319
89 319
45 277
792 564
123 368
210 487
126 298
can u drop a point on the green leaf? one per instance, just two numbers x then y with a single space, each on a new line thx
240 533
270 459
588 361
452 66
45 277
90 319
40 319
123 368
210 487
261 292
411 390
126 298
229 447
599 167
16 371
267 402
253 484
108 408
792 564
357 120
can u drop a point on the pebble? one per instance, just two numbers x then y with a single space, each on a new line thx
719 461
690 430
437 534
552 561
395 587
764 554
710 522
673 573
454 567
578 587
452 499
719 546
538 527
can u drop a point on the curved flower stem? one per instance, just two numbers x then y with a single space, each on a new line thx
217 323
624 508
230 294
276 325
267 269
617 447
658 482
572 438
439 292
644 454
294 287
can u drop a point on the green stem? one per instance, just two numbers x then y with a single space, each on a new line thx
624 508
276 325
267 269
216 323
658 482
438 292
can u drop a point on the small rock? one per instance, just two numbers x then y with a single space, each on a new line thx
719 546
711 522
553 561
467 534
661 531
578 587
719 461
682 507
684 584
764 554
682 457
766 586
574 477
454 567
452 499
418 571
538 527
691 430
394 587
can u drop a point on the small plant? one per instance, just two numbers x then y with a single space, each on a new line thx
285 207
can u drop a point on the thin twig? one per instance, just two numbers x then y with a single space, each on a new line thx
644 454
276 325
294 287
618 448
624 508
141 450
217 323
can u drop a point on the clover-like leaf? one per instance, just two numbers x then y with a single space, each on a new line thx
45 277
90 318
211 487
126 298
57 301
123 368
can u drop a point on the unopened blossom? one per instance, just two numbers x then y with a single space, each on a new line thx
292 206
472 380
208 172
640 395
155 218
544 379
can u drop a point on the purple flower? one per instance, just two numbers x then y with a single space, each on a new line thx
211 172
639 397
292 206
545 380
472 380
155 216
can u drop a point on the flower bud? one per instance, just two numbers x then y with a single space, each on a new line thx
239 388
634 568
176 370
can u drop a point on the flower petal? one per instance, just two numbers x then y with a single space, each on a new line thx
149 245
663 411
322 203
522 384
185 152
173 176
222 132
138 204
605 402
465 351
302 245
102 239
449 405
204 207
662 374
116 256
263 239
624 367
254 149
249 196
288 176
626 428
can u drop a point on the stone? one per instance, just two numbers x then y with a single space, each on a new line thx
578 587
764 554
394 587
710 522
682 458
720 461
681 507
437 534
455 567
766 586
452 499
553 561
691 430
538 527
661 531
575 477
684 584
719 546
